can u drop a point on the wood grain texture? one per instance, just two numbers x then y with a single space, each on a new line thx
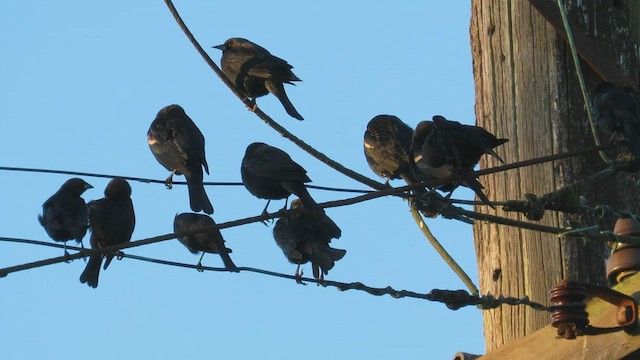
527 91
542 344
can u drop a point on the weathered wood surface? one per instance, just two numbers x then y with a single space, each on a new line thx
543 344
527 91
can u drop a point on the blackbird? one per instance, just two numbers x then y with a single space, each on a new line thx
256 72
65 215
387 148
447 151
112 221
209 242
618 109
303 236
178 145
387 145
269 173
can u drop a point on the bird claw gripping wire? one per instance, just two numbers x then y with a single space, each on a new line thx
431 203
571 318
67 255
298 275
250 104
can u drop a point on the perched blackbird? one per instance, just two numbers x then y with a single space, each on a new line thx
303 236
448 151
178 144
256 72
387 144
112 221
65 215
618 109
209 242
269 173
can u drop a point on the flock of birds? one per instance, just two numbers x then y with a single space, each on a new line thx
440 154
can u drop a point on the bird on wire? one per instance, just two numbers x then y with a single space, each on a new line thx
65 215
178 145
112 221
387 147
619 110
256 72
205 242
445 152
270 173
303 236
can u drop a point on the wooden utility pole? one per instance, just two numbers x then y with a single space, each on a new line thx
527 91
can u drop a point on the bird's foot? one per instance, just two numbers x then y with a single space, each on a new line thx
298 276
119 255
251 104
199 267
168 182
84 258
266 222
67 256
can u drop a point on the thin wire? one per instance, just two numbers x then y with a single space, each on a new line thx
340 285
480 203
454 299
266 118
155 181
115 248
578 231
500 168
583 86
457 269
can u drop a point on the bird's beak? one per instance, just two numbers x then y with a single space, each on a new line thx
88 186
219 47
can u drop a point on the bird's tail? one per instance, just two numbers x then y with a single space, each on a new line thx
471 182
325 259
107 261
226 259
330 227
490 151
198 198
277 89
91 272
297 188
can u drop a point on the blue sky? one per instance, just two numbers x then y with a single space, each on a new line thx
82 82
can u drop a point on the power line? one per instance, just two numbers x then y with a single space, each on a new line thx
453 299
155 181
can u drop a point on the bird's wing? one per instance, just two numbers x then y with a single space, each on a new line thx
275 164
272 67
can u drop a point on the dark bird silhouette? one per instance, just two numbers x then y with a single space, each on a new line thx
209 242
177 144
304 237
619 110
387 147
269 173
447 151
256 72
65 215
112 221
